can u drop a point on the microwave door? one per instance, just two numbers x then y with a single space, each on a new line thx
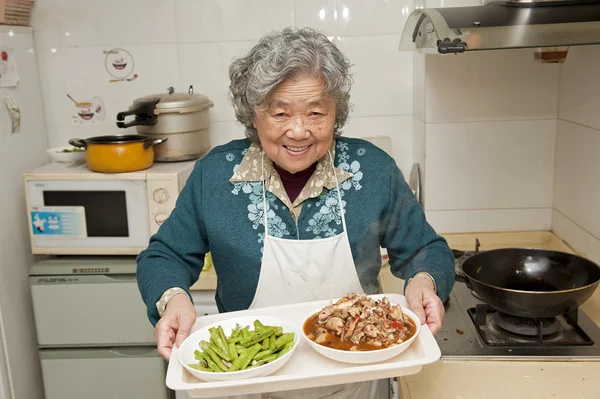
89 214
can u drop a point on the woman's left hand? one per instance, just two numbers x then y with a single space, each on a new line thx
423 301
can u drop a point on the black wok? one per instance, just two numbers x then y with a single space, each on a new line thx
533 283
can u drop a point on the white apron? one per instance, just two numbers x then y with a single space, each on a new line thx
295 271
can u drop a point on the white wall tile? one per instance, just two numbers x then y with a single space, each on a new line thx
577 187
224 132
593 248
419 98
206 66
398 128
316 14
577 238
354 17
471 221
77 23
383 81
490 165
490 85
60 136
51 69
81 73
580 85
230 20
567 230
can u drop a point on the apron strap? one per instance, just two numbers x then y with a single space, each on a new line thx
262 177
337 187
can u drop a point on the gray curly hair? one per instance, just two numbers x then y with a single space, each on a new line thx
281 55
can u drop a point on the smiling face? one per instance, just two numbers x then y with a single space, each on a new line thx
296 130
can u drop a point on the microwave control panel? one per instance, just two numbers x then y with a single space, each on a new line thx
162 195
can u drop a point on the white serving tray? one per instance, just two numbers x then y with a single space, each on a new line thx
306 368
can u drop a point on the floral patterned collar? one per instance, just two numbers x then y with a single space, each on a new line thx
250 170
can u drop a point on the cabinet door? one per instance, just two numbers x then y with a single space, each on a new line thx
124 373
90 310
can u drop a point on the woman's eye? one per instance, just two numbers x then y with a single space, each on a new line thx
281 115
315 113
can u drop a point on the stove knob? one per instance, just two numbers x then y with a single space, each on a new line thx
160 218
160 195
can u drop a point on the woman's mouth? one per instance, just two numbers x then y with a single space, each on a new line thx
293 150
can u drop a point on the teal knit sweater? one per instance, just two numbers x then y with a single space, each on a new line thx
225 218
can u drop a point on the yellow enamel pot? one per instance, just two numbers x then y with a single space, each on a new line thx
118 154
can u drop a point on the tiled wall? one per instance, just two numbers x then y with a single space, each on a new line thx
192 42
485 124
576 216
481 125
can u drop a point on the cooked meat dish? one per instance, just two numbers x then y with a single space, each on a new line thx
359 323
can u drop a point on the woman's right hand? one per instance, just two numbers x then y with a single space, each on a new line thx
175 324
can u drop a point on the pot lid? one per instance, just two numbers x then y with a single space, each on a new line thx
177 102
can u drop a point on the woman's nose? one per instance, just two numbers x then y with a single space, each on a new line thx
298 129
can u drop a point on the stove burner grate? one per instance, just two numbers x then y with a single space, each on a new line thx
498 329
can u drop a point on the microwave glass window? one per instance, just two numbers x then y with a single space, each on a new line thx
105 211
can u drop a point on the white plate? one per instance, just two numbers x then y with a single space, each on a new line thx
364 357
56 155
191 343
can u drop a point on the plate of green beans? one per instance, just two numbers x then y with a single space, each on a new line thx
246 347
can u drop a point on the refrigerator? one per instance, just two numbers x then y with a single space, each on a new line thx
23 144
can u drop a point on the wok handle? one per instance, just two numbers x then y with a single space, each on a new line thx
79 143
462 279
155 142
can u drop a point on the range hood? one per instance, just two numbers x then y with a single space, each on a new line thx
500 25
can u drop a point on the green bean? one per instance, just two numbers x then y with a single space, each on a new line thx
284 339
257 337
214 366
212 356
235 340
246 332
263 354
272 340
278 331
265 343
286 348
236 331
233 351
249 355
222 335
198 355
201 368
205 345
270 358
258 324
219 343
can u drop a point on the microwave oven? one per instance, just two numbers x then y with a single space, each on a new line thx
74 211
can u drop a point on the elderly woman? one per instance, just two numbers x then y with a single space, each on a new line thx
295 212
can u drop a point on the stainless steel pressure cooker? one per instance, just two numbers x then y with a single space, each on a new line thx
182 117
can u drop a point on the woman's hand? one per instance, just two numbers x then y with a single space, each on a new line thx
423 301
175 324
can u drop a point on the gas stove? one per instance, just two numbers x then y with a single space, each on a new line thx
473 330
